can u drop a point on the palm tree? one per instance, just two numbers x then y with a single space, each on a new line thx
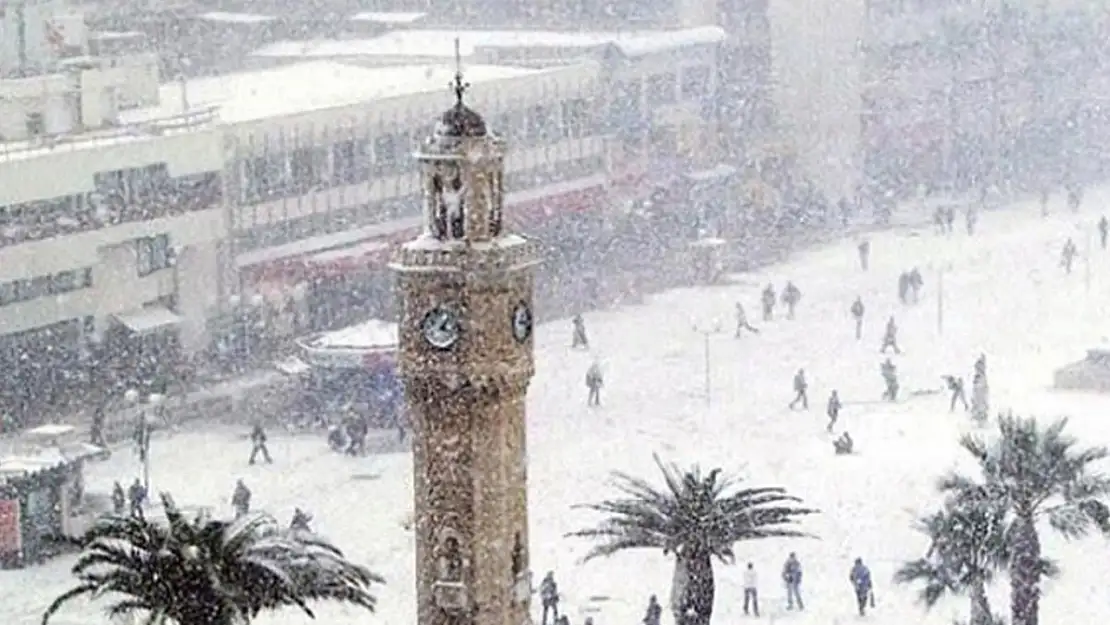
1034 473
210 572
696 517
967 545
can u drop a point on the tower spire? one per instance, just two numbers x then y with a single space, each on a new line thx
459 86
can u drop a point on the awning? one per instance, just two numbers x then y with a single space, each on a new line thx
148 320
362 256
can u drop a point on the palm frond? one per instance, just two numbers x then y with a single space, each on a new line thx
694 511
196 569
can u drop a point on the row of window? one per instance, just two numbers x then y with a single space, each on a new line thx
29 289
323 223
327 222
153 254
121 196
292 170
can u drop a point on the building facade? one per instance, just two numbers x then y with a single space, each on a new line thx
181 222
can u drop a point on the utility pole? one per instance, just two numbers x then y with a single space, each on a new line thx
708 331
1087 262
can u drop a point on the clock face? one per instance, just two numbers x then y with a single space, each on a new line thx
441 328
522 322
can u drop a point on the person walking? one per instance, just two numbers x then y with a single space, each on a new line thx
751 591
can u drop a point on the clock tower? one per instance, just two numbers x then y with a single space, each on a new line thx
465 358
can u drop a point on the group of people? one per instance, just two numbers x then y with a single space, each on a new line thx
859 576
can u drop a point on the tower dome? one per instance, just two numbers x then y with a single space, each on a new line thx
461 121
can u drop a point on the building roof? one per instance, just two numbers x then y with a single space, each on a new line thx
303 87
441 43
388 17
236 18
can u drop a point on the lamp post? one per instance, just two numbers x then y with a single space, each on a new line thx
707 331
143 429
941 268
1087 261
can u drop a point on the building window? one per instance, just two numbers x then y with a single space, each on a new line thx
385 152
29 289
539 124
153 254
696 82
306 167
36 125
661 88
576 118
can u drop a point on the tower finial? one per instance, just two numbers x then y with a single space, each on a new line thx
459 86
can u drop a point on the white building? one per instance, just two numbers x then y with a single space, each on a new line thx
142 213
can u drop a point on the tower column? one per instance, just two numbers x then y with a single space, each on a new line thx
466 359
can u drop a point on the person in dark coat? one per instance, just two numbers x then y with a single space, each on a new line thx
119 499
864 249
956 388
904 287
890 337
96 429
578 338
844 445
654 612
594 382
136 498
301 521
357 431
832 409
792 579
980 366
800 386
857 311
258 445
241 499
1067 256
860 576
916 283
767 302
1103 231
890 380
549 597
337 439
742 321
791 295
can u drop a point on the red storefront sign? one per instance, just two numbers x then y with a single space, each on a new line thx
11 538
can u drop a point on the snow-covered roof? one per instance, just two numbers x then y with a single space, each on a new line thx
388 17
50 430
441 43
309 86
371 334
236 18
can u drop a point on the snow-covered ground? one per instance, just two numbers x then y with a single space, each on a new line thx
1004 295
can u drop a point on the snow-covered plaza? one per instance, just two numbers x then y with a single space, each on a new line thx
1004 295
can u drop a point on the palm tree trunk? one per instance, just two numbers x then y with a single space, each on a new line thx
693 589
1025 573
980 604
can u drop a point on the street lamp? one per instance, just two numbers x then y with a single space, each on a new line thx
942 268
708 330
143 429
1087 259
